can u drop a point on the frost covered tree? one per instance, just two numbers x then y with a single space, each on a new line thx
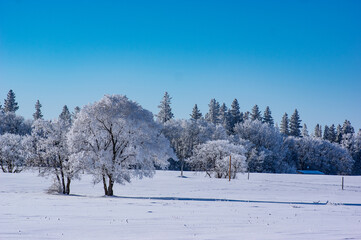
267 116
305 131
318 131
12 123
284 125
37 114
65 117
213 158
50 152
338 137
116 139
332 133
213 115
326 133
267 152
196 113
12 153
295 124
256 113
225 118
235 115
165 111
347 128
75 113
246 116
10 104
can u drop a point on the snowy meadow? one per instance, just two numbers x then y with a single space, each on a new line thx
266 206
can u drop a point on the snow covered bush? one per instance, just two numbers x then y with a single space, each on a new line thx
12 153
115 139
213 158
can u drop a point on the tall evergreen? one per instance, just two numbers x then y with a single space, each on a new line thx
235 114
326 133
332 133
37 114
295 124
213 114
65 117
347 128
165 113
304 131
284 125
246 115
338 137
267 116
196 113
76 111
223 114
256 113
10 105
318 131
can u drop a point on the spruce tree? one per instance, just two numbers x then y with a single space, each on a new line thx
295 124
235 114
10 105
213 114
338 137
225 118
347 128
37 114
165 113
318 131
246 116
196 114
284 125
65 117
326 133
256 113
267 116
304 130
332 133
75 113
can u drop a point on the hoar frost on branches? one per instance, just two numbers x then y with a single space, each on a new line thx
115 139
12 152
213 158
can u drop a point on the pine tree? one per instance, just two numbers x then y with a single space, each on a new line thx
267 117
332 133
295 124
326 133
318 131
213 115
256 113
225 118
196 114
246 116
347 128
304 131
37 114
235 114
338 137
76 112
10 105
65 117
165 114
284 125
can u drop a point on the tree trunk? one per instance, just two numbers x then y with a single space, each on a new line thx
105 186
110 186
182 164
62 181
68 185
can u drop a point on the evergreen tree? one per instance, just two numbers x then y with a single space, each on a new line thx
246 116
347 128
326 133
76 112
338 137
10 105
256 113
295 124
165 114
304 130
65 117
235 114
318 131
37 114
213 114
284 125
332 133
196 114
225 118
267 117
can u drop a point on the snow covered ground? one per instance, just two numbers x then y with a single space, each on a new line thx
267 206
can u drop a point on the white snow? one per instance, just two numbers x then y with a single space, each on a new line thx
170 207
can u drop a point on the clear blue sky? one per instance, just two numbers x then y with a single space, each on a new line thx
285 54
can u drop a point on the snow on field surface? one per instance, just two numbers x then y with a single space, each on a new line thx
280 206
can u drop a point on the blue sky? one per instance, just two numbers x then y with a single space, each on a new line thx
285 54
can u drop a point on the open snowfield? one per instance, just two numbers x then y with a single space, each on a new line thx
267 206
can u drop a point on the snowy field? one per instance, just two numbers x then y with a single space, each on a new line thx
267 206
